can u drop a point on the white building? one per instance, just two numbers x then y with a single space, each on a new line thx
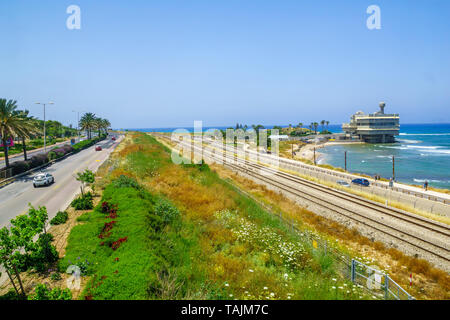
377 127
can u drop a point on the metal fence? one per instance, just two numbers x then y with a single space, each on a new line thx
376 282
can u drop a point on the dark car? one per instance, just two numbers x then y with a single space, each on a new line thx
361 181
113 138
98 148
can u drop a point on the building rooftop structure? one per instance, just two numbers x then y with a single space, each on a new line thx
377 127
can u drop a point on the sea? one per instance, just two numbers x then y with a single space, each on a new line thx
421 153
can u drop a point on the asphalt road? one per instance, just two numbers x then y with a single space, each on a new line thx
14 198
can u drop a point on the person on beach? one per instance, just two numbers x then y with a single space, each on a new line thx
391 183
425 185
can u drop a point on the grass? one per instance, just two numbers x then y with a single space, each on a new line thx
205 252
429 282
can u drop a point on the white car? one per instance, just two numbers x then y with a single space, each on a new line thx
343 183
43 179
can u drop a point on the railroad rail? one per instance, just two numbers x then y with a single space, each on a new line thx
309 192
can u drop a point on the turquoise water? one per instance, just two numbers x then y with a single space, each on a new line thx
422 152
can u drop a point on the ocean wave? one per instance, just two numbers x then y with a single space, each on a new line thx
425 134
424 147
435 181
409 141
398 148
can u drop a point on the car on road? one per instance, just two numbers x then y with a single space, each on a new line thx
43 179
113 138
343 183
98 148
361 181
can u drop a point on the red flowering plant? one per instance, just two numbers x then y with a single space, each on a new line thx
116 244
110 209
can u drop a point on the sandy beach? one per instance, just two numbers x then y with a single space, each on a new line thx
307 151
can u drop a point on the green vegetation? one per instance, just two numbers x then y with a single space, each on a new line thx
83 202
181 232
86 178
18 250
42 292
60 218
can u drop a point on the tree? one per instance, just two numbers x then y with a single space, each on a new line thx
322 123
30 127
86 177
88 123
327 122
315 125
12 124
17 242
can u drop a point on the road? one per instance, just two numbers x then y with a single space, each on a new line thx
14 198
30 153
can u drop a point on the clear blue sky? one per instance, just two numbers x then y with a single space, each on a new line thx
167 63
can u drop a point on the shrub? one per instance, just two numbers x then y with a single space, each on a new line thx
166 211
55 276
20 167
83 202
45 254
60 218
52 156
39 160
42 292
126 182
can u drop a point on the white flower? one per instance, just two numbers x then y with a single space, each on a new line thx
250 270
227 285
272 294
265 288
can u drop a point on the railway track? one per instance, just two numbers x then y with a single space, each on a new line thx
310 191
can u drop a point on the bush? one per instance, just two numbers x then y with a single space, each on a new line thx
166 211
42 292
126 182
52 156
83 202
55 276
60 218
38 160
45 254
20 167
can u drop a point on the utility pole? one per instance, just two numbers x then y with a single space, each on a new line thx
314 155
345 160
292 150
393 168
45 137
78 124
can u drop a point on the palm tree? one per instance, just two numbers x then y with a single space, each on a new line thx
106 124
30 127
12 124
322 123
88 123
327 122
315 125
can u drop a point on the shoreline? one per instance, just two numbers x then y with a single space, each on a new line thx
307 151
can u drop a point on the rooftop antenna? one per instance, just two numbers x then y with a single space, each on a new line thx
382 106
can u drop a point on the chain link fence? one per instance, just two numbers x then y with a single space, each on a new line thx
374 281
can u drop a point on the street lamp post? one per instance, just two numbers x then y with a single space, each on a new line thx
78 123
45 137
